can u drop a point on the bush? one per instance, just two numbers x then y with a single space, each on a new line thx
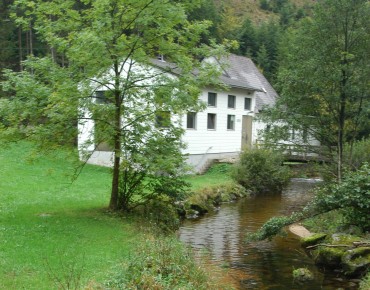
352 196
261 171
162 263
360 154
349 199
161 215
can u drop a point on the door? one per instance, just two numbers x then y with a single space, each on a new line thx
247 132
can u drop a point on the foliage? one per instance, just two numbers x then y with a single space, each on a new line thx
163 263
349 199
152 167
117 84
352 195
260 42
162 216
328 222
271 228
323 77
357 154
261 170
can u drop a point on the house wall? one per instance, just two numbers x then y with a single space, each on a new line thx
205 145
220 140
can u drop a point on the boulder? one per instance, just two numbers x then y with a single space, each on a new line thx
302 275
356 261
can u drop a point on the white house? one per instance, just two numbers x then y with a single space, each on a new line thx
226 125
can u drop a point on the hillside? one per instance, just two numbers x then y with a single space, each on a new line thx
251 9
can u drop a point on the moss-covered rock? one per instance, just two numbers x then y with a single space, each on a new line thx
328 256
340 252
208 199
313 239
356 262
302 275
344 239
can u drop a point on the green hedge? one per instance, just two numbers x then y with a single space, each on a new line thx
261 171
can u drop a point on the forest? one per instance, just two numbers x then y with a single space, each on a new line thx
257 26
314 53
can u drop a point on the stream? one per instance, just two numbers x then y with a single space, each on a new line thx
265 264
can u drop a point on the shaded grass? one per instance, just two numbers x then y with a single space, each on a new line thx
52 229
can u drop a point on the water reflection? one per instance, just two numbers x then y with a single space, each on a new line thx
260 265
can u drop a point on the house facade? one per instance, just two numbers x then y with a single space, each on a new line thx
226 125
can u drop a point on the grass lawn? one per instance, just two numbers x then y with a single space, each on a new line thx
57 234
52 229
218 174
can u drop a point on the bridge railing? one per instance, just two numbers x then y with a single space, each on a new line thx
304 152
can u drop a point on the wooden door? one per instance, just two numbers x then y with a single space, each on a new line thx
247 132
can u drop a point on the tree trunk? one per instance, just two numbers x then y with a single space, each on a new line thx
342 111
31 39
20 48
117 140
113 204
342 104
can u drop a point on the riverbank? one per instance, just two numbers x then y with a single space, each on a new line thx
344 251
55 233
343 248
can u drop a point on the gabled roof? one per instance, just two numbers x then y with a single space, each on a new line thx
237 72
241 70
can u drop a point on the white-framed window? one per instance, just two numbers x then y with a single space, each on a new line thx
230 122
212 99
211 121
191 120
162 119
247 104
231 101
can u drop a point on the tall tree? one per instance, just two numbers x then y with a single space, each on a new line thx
110 45
324 75
247 37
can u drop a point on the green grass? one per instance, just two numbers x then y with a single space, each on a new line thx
57 234
52 229
218 174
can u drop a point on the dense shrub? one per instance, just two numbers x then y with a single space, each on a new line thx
348 201
352 196
261 171
357 155
162 263
161 215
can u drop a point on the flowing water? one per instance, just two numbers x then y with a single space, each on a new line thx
265 264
